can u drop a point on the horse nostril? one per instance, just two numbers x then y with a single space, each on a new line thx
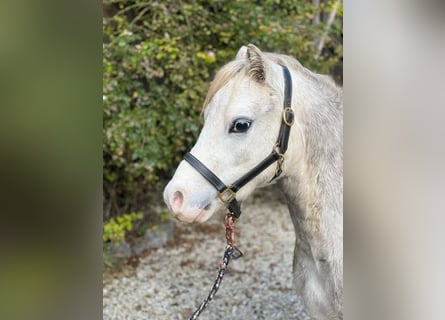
177 201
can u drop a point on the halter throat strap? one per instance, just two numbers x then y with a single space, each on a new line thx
227 194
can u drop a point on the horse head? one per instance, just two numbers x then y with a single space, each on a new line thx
242 117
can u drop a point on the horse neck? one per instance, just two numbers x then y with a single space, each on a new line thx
313 185
313 182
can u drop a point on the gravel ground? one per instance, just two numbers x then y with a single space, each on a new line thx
170 282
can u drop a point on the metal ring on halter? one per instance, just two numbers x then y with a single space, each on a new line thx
227 195
288 116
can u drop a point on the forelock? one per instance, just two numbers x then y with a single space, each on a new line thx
222 77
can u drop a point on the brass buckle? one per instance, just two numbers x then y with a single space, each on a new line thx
227 195
288 116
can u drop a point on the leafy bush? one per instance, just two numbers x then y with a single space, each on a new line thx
158 59
116 228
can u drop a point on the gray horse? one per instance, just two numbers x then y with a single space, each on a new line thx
243 113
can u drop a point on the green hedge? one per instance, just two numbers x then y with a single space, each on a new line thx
158 60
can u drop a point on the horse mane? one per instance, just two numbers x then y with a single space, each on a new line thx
293 64
233 68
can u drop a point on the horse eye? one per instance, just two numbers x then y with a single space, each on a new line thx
240 126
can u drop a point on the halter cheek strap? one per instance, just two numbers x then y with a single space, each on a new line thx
227 194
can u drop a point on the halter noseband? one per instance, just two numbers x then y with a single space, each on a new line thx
227 194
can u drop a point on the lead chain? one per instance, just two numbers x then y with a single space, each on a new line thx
230 252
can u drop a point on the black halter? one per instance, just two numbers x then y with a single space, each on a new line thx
227 194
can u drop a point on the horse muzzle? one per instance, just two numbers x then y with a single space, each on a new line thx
185 207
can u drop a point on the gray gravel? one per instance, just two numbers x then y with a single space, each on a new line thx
172 281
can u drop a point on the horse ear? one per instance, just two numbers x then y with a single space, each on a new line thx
242 53
256 63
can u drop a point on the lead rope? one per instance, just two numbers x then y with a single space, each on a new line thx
230 252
